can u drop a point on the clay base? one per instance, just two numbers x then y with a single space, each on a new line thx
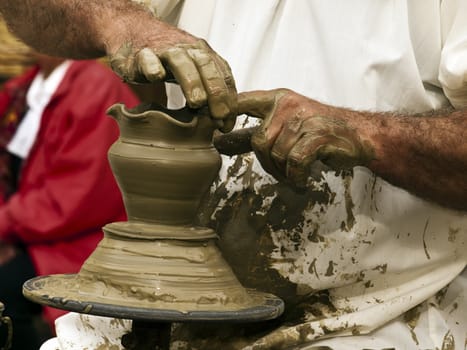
57 291
154 278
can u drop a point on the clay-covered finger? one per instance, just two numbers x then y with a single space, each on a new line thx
122 63
288 136
186 73
228 124
231 93
220 100
301 156
334 152
257 103
262 145
149 66
342 154
235 142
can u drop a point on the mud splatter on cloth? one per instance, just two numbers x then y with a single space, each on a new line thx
338 238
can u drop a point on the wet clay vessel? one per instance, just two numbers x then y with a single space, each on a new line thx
158 265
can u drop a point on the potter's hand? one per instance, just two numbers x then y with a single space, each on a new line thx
297 131
204 76
141 47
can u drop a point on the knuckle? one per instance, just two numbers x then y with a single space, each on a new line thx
296 157
278 156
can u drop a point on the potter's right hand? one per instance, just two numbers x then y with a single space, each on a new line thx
297 131
204 76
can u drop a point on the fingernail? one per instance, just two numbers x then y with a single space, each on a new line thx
196 98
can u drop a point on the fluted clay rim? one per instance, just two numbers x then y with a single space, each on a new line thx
160 111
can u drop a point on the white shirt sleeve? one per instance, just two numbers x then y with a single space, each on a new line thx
453 65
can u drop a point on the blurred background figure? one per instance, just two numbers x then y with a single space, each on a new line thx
56 186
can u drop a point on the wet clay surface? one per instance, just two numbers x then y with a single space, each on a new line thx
165 274
160 259
163 164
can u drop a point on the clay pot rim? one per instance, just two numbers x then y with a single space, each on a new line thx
152 109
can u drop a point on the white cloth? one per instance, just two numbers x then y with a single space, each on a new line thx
441 313
381 251
80 331
37 98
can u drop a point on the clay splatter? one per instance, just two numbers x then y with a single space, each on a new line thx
448 342
411 317
424 243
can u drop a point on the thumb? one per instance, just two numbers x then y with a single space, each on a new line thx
256 103
235 142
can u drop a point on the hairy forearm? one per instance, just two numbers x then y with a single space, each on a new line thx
141 48
424 154
80 29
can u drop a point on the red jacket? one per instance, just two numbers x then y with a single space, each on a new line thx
67 191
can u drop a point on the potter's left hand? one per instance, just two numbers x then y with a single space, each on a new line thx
297 131
204 77
141 47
